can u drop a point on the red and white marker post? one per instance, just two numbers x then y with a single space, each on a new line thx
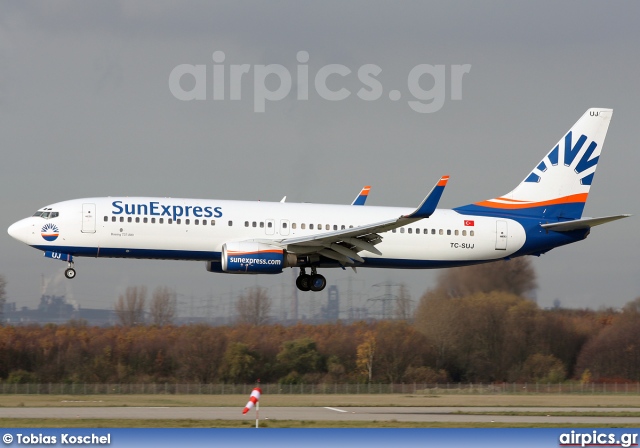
254 400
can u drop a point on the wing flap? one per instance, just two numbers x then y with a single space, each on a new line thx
361 244
342 259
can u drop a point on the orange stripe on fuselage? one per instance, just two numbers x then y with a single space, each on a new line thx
582 197
271 251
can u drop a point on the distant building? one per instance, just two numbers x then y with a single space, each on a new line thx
331 312
56 310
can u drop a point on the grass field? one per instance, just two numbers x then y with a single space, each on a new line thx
468 401
551 400
129 423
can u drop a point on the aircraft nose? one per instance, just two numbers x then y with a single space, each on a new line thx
13 230
17 230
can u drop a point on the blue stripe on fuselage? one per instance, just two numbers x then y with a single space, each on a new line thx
158 254
215 256
539 240
568 211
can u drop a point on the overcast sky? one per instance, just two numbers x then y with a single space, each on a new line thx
86 110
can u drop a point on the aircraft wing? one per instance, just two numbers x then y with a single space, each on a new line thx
344 245
359 200
579 224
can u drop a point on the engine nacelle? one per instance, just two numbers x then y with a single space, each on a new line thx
244 257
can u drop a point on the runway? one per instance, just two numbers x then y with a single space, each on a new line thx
387 414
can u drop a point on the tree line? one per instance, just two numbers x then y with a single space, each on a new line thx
486 337
475 325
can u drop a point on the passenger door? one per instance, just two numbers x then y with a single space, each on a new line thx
88 218
501 235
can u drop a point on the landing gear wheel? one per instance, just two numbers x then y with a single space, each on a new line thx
303 282
318 282
70 273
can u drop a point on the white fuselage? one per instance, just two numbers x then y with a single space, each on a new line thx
196 229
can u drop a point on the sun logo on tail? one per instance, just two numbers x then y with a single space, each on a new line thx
50 232
584 167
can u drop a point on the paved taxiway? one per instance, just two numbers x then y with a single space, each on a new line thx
400 414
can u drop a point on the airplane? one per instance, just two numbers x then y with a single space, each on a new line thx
241 237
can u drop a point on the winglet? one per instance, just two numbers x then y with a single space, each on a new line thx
362 197
430 203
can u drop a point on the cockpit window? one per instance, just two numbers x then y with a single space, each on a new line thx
46 214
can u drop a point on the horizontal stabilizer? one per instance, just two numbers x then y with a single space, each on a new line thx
579 224
430 203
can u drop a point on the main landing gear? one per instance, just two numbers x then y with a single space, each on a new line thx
310 282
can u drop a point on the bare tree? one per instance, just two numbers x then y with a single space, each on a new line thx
130 306
254 306
614 352
515 276
633 307
3 295
162 308
437 317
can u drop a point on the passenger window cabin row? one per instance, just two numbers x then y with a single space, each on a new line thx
294 225
146 220
270 224
434 231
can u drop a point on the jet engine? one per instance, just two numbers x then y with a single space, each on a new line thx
246 257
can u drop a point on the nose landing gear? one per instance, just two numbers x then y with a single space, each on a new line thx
70 272
310 282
